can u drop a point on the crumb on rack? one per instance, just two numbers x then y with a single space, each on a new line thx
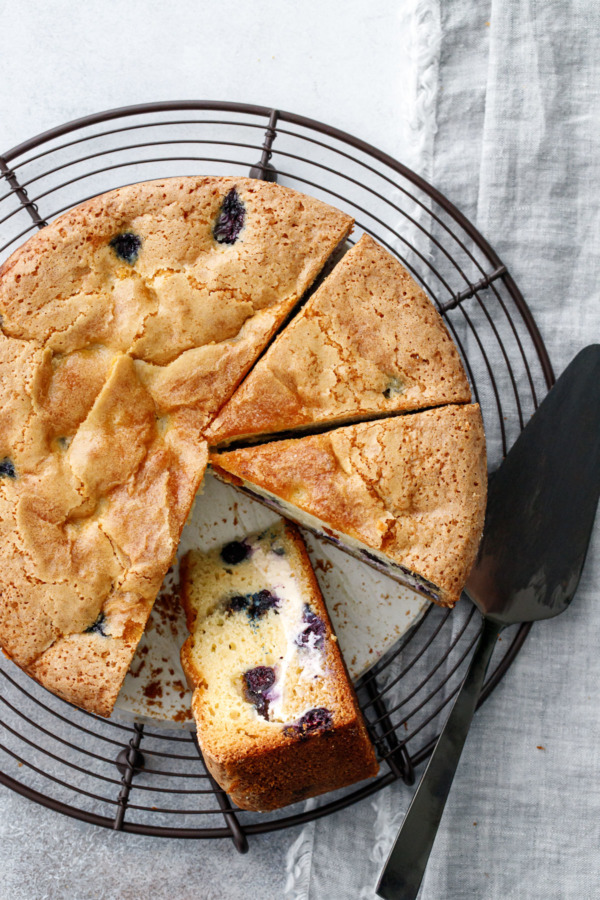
153 690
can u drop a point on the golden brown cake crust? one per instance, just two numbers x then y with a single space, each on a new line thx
412 487
187 304
125 324
269 780
367 343
271 770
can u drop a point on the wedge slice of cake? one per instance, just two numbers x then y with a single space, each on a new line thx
277 718
368 342
125 324
90 529
405 494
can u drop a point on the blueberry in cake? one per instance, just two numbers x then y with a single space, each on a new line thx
7 469
235 551
125 325
368 342
127 246
405 494
231 218
277 717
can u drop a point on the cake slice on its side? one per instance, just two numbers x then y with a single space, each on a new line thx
368 342
405 494
277 717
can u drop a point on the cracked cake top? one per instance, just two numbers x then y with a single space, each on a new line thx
412 488
368 342
125 325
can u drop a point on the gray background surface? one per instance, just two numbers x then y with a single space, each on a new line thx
498 104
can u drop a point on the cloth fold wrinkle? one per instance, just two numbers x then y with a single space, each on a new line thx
515 141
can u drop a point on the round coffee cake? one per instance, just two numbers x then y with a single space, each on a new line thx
126 327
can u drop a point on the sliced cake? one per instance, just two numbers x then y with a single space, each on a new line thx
368 342
405 494
277 718
124 325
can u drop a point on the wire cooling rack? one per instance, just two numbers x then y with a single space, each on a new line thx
150 781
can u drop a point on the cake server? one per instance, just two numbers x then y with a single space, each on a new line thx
540 513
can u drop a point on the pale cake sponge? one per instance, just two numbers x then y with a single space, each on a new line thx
277 718
406 495
125 324
367 343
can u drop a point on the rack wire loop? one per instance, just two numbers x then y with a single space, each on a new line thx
473 289
21 193
264 170
132 759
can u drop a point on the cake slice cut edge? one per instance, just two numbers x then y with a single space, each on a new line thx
277 718
405 494
368 342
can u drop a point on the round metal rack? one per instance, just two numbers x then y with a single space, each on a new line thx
136 778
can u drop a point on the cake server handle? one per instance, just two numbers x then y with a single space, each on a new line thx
403 872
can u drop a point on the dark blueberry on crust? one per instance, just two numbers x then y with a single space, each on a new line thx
315 721
230 220
7 468
98 627
278 551
261 603
414 583
314 633
256 684
235 552
427 592
127 246
319 719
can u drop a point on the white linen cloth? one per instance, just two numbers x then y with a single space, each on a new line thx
503 118
512 90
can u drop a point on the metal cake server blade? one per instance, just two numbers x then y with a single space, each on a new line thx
540 513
